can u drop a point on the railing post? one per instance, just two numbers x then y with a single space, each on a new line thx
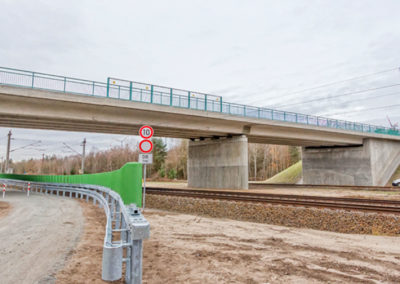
244 110
296 117
220 109
119 91
93 89
189 99
130 91
108 87
272 114
170 97
33 78
151 93
258 114
317 121
65 83
205 102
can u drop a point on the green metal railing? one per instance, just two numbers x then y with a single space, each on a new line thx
148 93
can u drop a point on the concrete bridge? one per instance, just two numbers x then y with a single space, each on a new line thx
334 151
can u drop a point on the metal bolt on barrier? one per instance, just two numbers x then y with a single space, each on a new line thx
127 221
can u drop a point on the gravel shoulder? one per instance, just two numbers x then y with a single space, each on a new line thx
192 249
37 237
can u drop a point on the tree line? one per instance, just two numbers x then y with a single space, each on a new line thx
264 161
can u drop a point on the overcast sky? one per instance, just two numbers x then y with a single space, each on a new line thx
262 53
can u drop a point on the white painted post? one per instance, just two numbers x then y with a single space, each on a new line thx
4 190
29 189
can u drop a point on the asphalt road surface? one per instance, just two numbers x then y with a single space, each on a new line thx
37 236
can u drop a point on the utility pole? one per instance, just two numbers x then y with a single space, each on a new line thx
8 152
83 155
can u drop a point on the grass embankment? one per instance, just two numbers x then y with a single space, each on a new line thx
396 175
290 175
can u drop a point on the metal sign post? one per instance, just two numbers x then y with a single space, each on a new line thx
145 146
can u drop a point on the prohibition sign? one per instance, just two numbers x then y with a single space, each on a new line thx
146 132
146 146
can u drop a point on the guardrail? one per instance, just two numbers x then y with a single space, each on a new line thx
124 221
149 93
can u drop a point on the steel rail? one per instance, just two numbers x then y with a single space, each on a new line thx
258 185
363 204
125 221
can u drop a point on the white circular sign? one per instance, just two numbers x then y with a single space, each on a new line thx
146 146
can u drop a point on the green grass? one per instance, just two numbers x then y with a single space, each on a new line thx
396 175
290 175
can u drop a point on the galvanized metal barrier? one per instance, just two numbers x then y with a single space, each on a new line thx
125 229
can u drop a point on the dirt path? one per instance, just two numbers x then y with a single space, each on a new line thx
191 249
37 236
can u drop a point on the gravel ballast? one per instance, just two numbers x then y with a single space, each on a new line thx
354 222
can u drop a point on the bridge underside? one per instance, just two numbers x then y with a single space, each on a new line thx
40 109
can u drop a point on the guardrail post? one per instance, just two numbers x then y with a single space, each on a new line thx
33 79
205 102
170 97
65 83
151 93
93 88
188 99
220 102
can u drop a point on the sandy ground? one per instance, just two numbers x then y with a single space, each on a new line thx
4 208
298 191
37 236
192 249
84 266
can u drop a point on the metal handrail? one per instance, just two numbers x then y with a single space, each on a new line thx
125 220
154 94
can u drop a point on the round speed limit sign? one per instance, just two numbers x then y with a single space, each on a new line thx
146 132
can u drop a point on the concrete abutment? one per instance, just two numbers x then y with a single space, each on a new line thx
218 163
369 164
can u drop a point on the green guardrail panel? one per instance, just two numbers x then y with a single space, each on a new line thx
127 181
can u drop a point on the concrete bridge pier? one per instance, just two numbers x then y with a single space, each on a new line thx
218 162
369 164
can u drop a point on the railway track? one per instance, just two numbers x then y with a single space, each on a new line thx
258 185
344 203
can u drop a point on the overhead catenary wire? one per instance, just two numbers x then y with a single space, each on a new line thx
340 95
366 109
345 80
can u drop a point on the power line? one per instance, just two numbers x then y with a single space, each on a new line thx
23 147
373 97
341 95
342 81
366 109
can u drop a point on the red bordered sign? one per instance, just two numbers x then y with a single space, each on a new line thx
146 146
146 132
